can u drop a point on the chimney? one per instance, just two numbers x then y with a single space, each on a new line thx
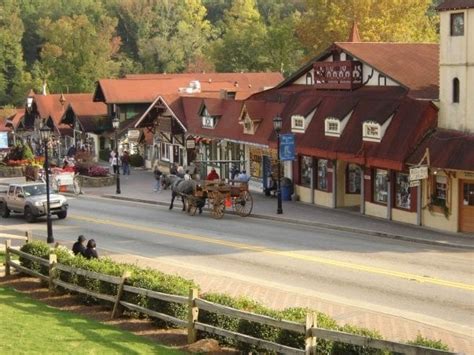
354 34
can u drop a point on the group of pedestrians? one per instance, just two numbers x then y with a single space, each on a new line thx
116 161
89 251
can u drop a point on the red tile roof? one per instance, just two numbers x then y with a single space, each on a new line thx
411 120
448 150
145 88
455 4
414 65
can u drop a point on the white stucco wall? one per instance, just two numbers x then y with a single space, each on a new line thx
373 209
457 61
403 216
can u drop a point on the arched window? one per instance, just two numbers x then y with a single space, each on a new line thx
455 90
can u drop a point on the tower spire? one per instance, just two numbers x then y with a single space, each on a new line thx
354 34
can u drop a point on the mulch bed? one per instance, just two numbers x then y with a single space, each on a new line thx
34 288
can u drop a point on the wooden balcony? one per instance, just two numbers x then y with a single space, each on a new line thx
342 75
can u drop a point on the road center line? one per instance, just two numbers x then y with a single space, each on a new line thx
291 255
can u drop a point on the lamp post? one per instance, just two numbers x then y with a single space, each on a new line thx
45 134
115 125
277 123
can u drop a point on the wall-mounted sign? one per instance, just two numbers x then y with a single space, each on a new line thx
3 140
418 173
190 143
415 183
287 147
134 135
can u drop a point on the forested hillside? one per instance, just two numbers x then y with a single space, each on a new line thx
72 43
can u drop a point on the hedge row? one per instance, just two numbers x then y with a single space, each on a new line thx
157 281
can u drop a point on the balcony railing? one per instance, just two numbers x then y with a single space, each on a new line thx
342 75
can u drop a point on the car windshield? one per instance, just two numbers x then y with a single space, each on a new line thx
34 190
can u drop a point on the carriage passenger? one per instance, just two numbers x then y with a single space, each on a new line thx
212 175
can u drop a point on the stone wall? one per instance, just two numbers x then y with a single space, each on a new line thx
11 171
89 181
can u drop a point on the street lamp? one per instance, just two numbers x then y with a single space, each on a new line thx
277 123
115 125
45 134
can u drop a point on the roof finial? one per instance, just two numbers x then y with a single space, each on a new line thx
354 34
62 99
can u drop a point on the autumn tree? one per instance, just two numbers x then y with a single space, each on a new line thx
327 21
76 53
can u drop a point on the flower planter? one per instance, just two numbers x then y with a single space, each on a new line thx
11 171
91 181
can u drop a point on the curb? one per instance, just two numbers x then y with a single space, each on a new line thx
319 225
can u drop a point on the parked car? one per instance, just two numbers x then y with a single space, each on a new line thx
30 199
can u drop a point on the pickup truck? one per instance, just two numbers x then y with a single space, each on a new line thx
30 199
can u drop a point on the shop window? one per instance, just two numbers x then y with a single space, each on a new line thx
211 151
455 90
165 151
402 191
468 195
305 172
441 186
381 186
354 177
322 174
457 24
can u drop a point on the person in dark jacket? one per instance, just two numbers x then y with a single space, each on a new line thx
90 252
78 248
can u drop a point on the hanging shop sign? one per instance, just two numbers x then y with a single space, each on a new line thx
418 173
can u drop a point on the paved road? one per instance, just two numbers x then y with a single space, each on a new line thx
415 281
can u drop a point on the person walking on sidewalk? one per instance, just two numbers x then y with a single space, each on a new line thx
125 163
157 173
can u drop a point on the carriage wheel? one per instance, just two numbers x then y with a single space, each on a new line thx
191 206
217 206
243 204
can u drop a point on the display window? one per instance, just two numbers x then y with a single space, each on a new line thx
305 170
381 186
322 174
402 191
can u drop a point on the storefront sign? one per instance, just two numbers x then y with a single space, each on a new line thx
133 135
367 177
287 147
190 143
3 140
418 173
415 183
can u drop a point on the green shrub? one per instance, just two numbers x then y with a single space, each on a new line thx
429 343
342 348
27 154
136 160
36 248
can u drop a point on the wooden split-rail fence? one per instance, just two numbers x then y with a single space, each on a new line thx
194 304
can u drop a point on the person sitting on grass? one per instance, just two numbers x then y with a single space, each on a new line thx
91 252
78 248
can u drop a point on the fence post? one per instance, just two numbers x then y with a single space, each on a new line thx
8 244
310 340
193 313
53 260
117 307
29 236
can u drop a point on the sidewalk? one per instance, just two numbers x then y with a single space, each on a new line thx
139 187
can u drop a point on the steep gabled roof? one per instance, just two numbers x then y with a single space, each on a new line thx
12 121
414 65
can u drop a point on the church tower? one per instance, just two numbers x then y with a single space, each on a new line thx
457 65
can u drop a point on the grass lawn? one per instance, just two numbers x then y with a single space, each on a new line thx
28 326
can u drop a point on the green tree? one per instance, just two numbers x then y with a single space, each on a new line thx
241 47
327 21
76 53
13 80
164 35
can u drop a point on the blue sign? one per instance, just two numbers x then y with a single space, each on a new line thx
287 146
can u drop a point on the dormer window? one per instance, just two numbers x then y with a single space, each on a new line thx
373 131
208 122
299 123
333 126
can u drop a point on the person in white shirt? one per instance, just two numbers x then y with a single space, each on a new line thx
243 176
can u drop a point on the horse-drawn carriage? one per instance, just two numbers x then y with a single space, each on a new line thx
220 195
